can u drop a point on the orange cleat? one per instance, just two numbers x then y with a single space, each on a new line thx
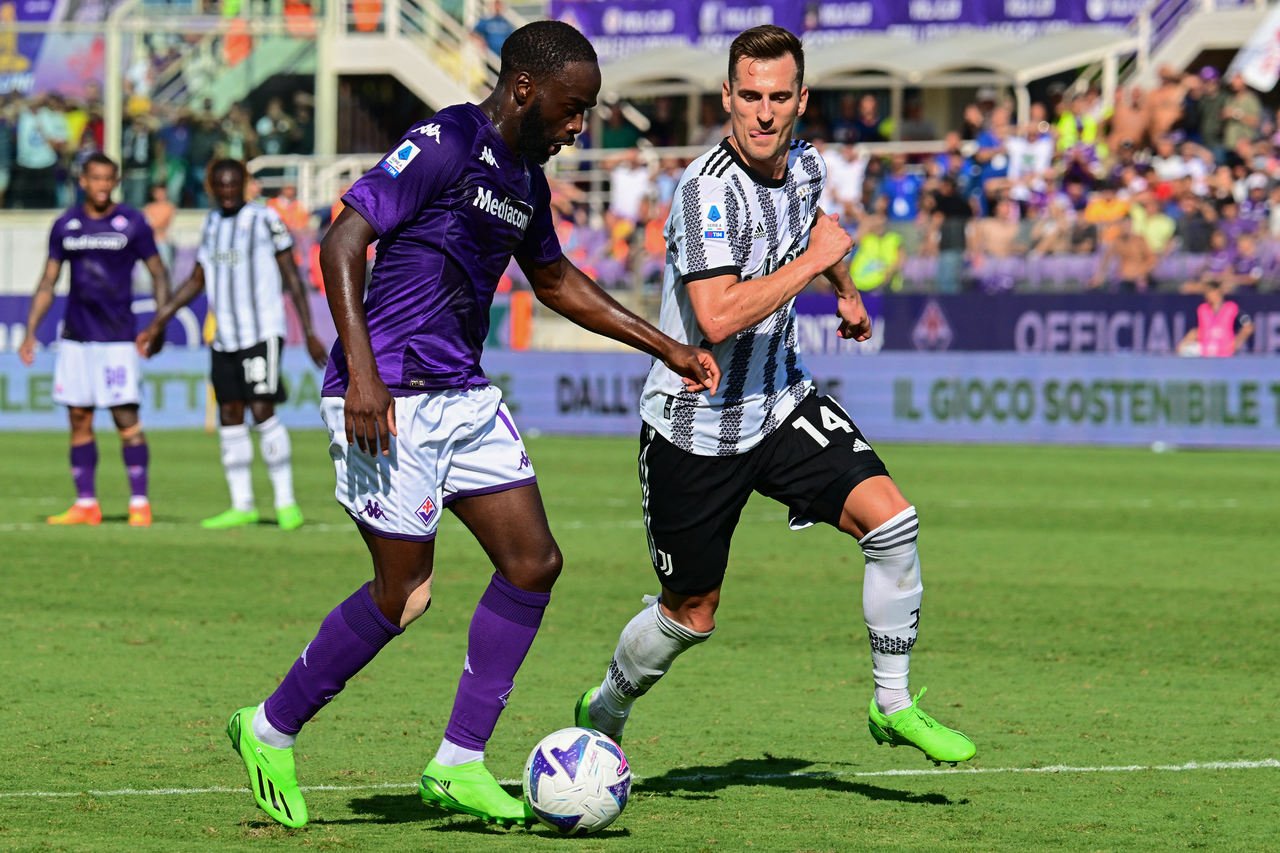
140 515
78 514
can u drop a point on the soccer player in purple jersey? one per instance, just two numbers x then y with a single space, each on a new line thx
96 364
414 424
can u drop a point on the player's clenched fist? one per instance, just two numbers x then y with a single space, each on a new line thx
697 366
828 241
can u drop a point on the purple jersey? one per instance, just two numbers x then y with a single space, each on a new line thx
451 204
102 253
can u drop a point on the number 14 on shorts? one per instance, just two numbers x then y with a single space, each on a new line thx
831 422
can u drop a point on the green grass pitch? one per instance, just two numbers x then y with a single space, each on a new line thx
1111 613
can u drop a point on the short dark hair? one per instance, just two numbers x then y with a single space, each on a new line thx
766 42
228 164
102 160
543 48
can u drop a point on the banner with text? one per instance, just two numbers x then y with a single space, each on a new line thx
991 397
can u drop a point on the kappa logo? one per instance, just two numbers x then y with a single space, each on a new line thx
758 232
397 161
430 130
486 156
73 225
373 509
119 222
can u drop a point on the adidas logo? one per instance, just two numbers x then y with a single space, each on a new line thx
860 446
758 233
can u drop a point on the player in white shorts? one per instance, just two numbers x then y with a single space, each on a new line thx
97 366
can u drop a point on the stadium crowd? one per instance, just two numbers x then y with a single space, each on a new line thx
1162 189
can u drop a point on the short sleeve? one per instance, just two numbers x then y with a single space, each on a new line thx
144 239
540 245
55 241
414 173
281 239
700 229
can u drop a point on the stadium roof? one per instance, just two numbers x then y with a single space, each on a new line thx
908 62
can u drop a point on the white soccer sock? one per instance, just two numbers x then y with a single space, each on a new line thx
277 453
269 734
451 755
646 649
891 596
237 456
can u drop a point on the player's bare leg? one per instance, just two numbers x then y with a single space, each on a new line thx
647 647
277 452
512 528
885 525
133 448
350 636
84 467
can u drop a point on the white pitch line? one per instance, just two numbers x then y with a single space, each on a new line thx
1190 766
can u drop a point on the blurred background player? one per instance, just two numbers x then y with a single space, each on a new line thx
744 238
1220 330
414 424
245 254
96 364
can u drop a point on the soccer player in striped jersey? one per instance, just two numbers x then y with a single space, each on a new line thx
102 242
245 256
415 426
744 237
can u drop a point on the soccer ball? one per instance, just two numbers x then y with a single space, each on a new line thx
577 781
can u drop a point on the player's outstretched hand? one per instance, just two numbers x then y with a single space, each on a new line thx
27 351
829 241
315 349
855 324
371 417
697 366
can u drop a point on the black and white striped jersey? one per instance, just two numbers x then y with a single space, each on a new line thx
726 219
242 277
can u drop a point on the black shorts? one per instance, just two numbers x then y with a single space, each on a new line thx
249 374
692 503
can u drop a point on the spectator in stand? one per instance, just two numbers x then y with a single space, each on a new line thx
878 257
915 127
136 148
41 138
1164 106
618 132
1255 206
1188 123
902 190
494 28
1127 262
1105 211
1241 116
176 136
291 211
1052 233
206 143
1248 268
1231 223
1076 126
629 188
1220 259
1195 223
950 214
993 243
1154 225
1220 329
844 127
1128 119
1212 107
275 129
869 125
238 135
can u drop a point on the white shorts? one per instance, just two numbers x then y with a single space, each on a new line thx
96 374
450 445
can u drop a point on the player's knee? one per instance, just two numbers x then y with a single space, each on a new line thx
695 612
416 602
132 434
536 571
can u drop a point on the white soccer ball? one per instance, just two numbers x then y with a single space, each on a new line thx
577 781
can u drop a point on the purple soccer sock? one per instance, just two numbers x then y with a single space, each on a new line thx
350 636
502 630
136 457
84 468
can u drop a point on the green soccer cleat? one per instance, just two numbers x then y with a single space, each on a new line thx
471 789
289 517
271 775
229 518
582 716
913 727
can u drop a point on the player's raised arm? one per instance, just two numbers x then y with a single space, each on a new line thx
725 304
40 302
565 289
370 409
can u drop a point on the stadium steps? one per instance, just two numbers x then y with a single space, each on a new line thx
1200 31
